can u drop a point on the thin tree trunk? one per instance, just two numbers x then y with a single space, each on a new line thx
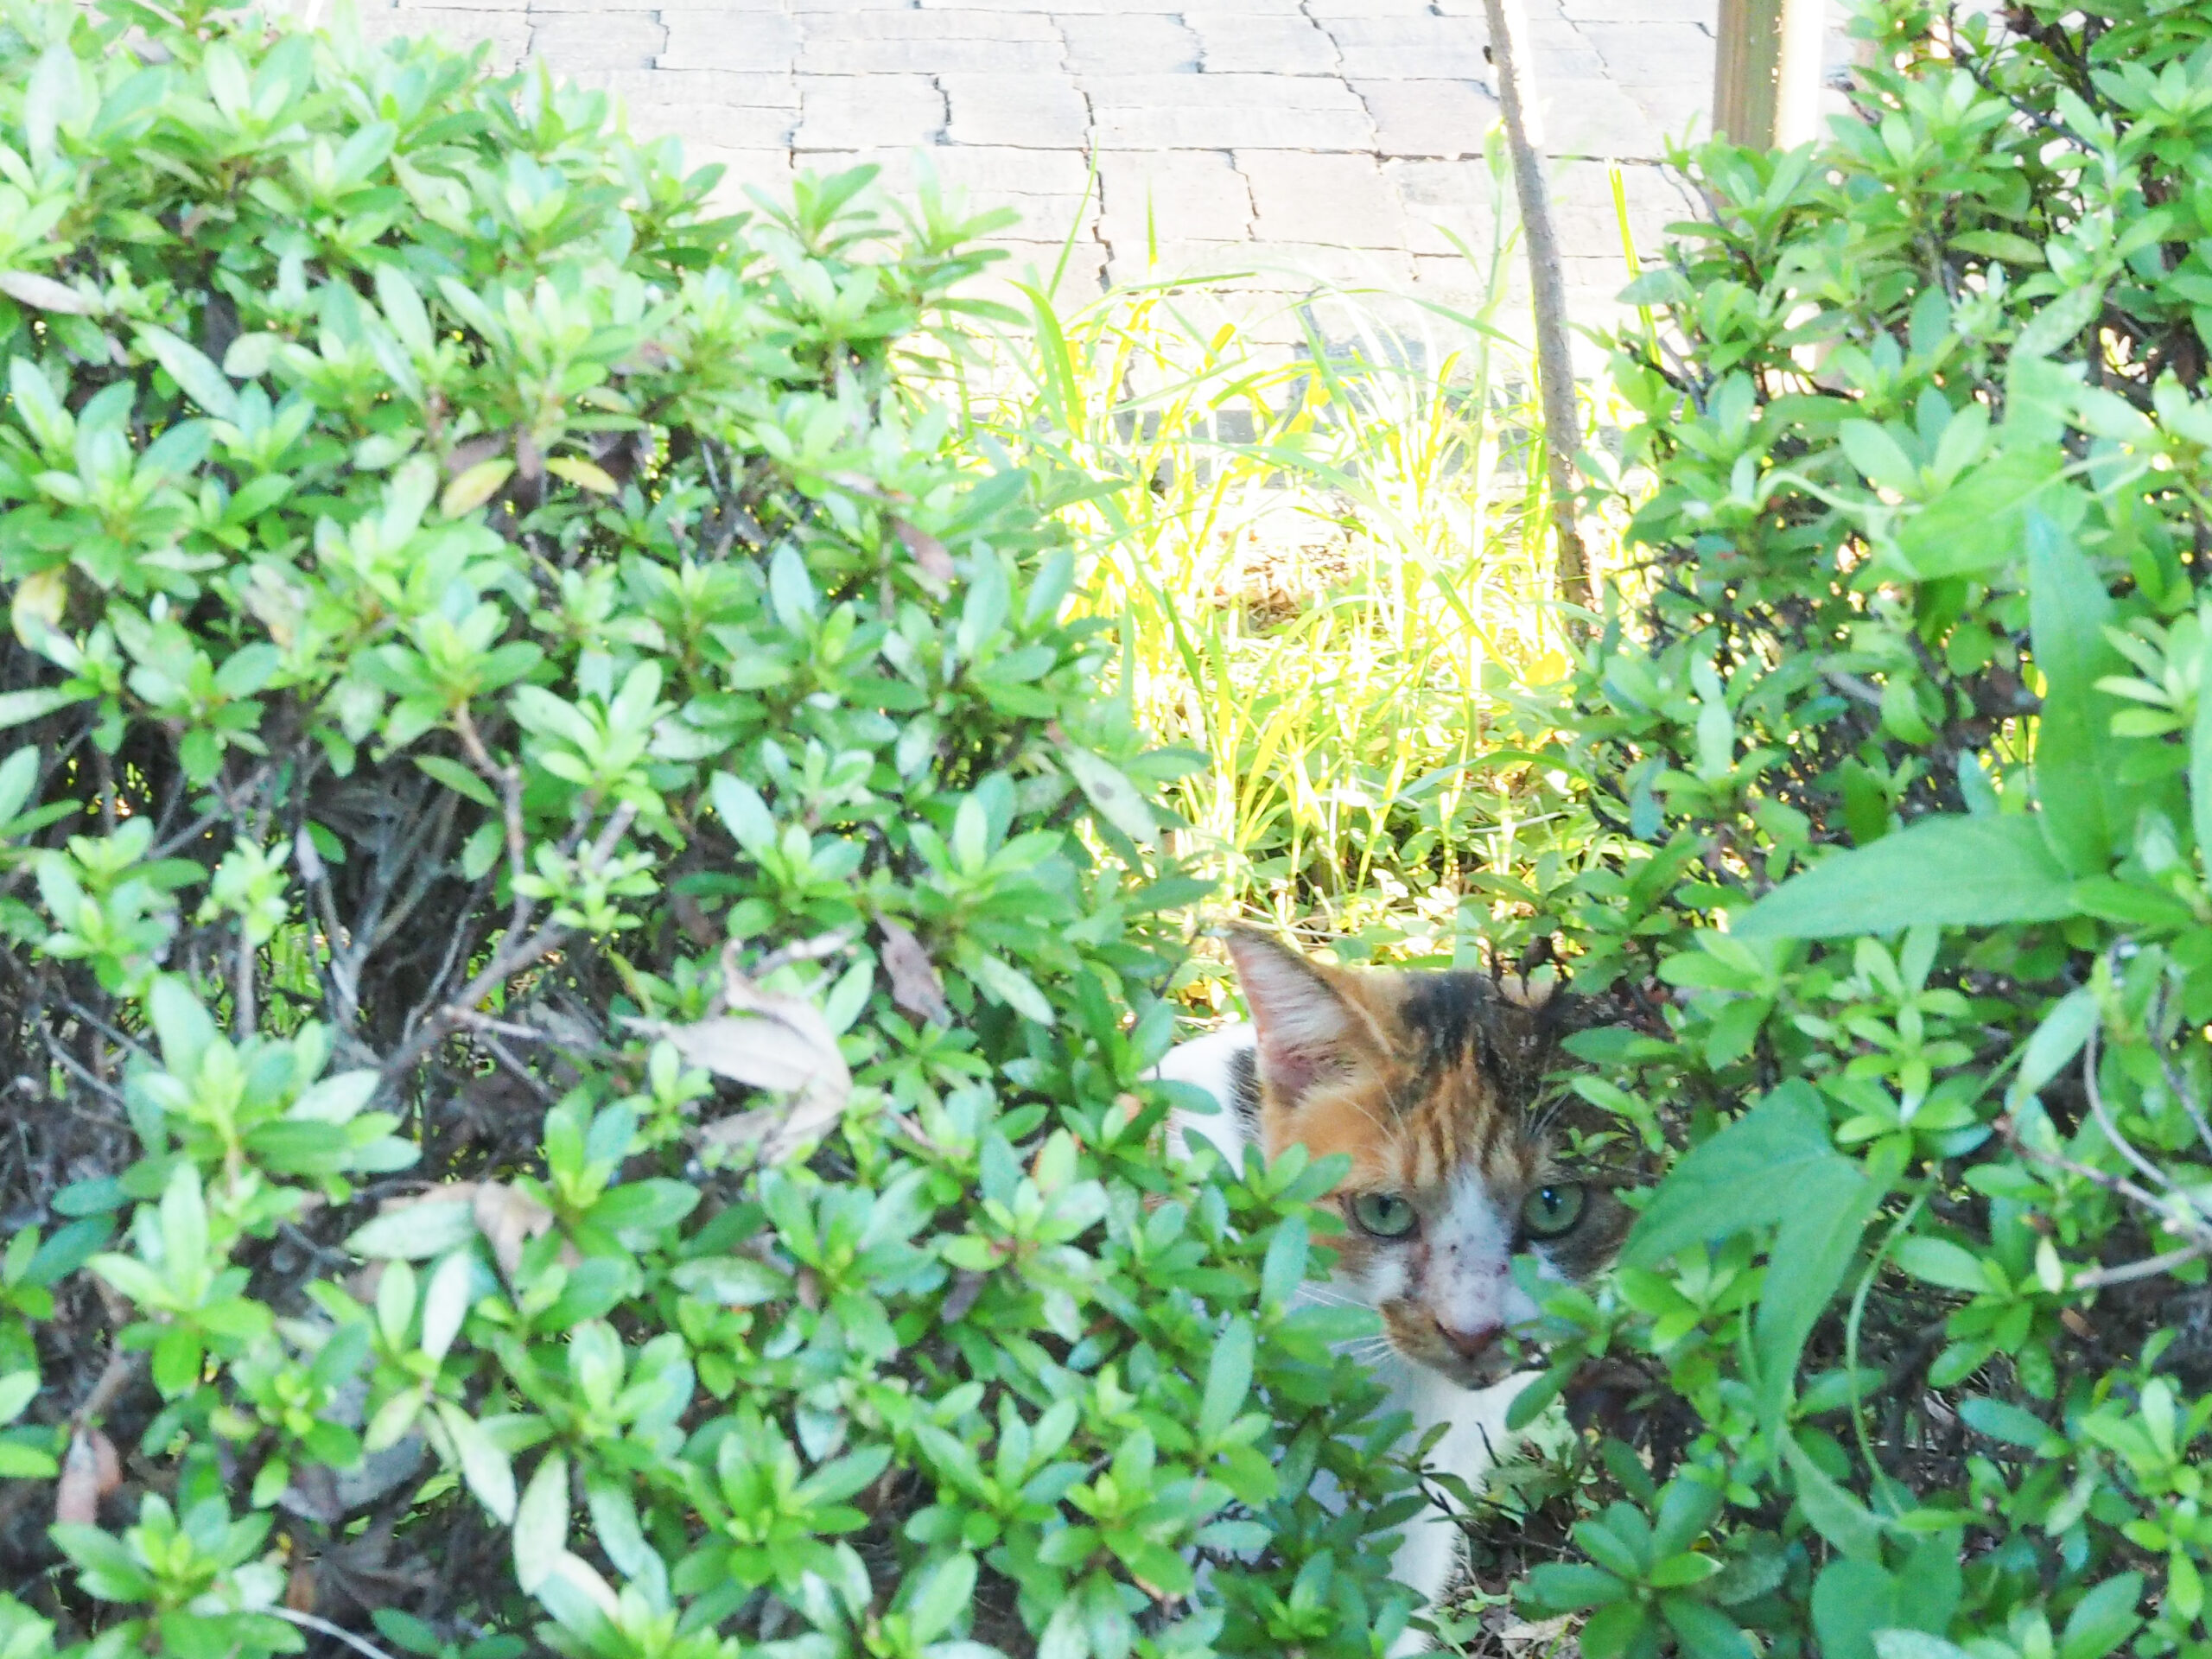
1766 73
1508 36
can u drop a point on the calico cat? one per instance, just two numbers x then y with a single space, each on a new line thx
1428 1081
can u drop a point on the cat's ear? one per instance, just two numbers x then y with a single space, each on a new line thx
1306 1026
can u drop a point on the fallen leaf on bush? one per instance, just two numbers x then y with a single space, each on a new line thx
313 1492
475 451
781 1044
473 488
508 1219
967 1289
698 926
43 293
584 474
915 983
89 1472
927 552
379 1473
359 1574
1521 1631
41 599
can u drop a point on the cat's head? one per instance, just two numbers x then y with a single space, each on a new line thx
1430 1083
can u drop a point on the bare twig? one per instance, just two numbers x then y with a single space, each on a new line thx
114 1377
2143 1167
324 1627
2149 1268
1852 685
2119 1186
508 960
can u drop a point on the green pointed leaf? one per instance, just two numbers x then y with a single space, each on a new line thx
2069 609
187 365
1746 1176
1949 871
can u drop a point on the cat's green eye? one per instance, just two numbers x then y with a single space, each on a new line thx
1383 1214
1551 1211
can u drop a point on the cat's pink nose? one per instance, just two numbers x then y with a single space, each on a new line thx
1473 1345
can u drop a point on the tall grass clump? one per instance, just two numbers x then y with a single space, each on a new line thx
1328 566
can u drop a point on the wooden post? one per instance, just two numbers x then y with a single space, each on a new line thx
1766 73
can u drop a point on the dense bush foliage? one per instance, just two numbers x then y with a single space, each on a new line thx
1902 743
577 930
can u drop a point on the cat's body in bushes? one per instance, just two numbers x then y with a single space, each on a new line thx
1426 1081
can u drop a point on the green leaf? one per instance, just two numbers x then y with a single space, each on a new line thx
733 1281
475 486
445 1303
1229 1380
1834 1513
2002 1421
1948 871
416 1230
189 367
20 1462
2055 1044
1008 985
1939 1261
17 1389
1878 456
457 777
1706 1632
1852 1600
1746 1176
488 1471
16 707
18 777
2102 1619
1915 1644
1829 1209
1118 800
2200 757
1568 1587
541 1531
1976 525
184 1027
944 1596
2069 610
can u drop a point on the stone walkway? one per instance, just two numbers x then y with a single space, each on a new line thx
1290 141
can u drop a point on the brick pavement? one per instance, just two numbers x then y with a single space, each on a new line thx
1289 140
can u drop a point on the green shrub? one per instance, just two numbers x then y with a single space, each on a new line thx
578 932
1901 735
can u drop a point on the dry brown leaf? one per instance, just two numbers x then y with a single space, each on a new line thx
299 1587
77 1494
44 294
360 1573
508 1219
927 552
778 1043
313 1492
473 452
915 985
966 1288
698 926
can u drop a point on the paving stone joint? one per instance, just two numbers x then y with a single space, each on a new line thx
1293 140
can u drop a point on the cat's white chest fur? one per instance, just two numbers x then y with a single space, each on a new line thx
1477 1434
